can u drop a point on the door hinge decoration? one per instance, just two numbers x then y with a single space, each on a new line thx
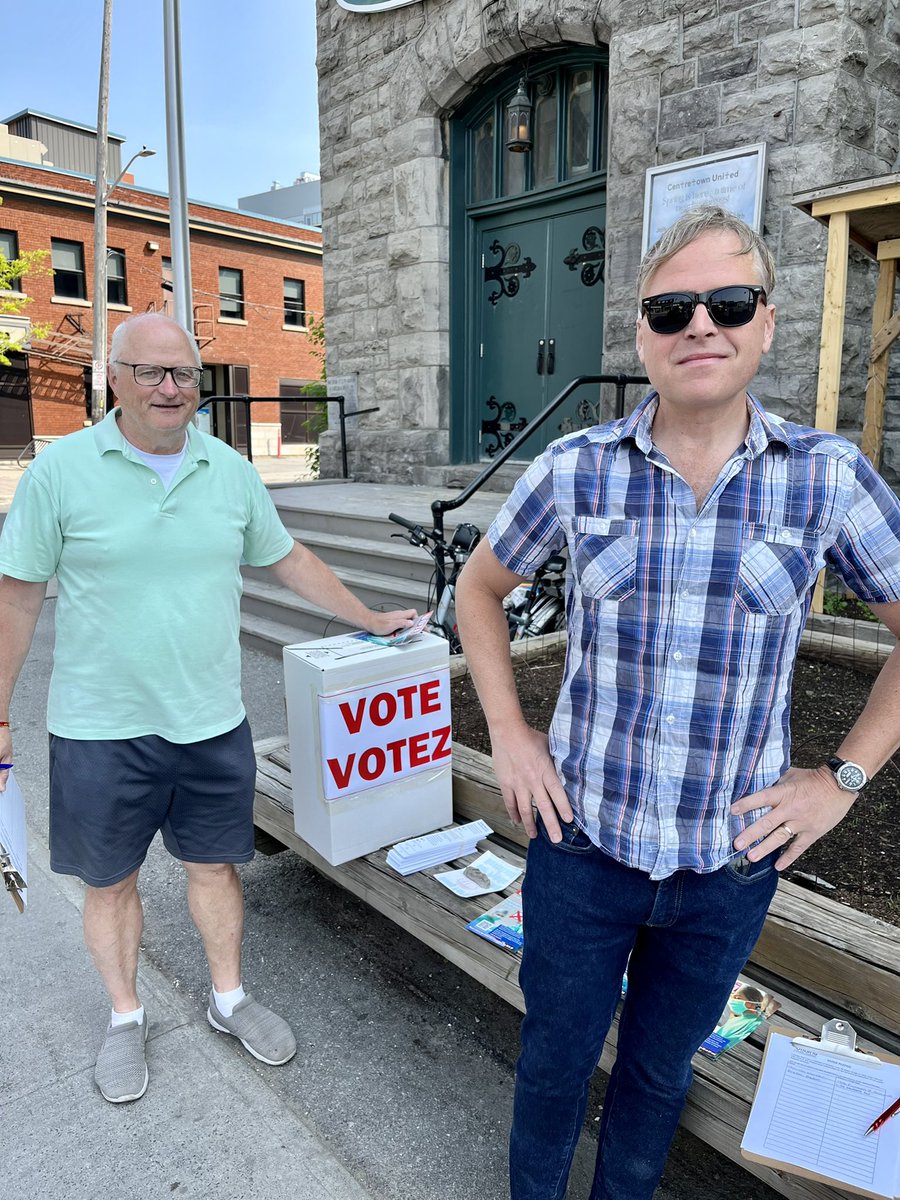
551 356
540 357
507 271
587 413
591 258
502 427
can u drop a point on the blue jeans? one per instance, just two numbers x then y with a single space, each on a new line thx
689 937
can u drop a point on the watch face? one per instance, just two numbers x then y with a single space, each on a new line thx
850 776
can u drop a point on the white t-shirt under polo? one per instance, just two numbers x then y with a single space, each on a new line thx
148 615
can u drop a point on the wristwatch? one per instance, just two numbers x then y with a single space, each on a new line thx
849 776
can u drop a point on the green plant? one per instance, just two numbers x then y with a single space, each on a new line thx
839 604
12 302
318 422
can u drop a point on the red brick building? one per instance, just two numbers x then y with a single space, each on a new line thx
257 284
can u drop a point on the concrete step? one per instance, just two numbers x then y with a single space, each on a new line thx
391 557
362 510
268 599
271 637
347 526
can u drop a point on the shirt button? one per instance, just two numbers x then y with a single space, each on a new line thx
677 656
685 592
693 533
153 480
670 719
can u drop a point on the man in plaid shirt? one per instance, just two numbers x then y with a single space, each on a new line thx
664 804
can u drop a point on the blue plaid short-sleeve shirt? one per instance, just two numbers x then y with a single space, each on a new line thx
684 625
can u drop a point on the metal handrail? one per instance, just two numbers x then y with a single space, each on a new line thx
248 400
439 507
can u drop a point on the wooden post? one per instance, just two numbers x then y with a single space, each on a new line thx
873 421
832 342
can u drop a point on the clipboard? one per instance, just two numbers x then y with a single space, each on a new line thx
13 843
814 1099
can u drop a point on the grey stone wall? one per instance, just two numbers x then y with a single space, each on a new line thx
818 80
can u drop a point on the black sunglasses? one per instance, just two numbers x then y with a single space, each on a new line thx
670 312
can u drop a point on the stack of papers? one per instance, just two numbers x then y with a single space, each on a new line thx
436 848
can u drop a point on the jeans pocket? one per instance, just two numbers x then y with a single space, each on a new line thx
574 839
743 871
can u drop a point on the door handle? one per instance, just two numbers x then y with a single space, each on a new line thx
551 356
540 357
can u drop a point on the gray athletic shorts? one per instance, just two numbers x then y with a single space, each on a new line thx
108 799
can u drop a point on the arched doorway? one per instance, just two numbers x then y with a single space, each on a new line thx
528 237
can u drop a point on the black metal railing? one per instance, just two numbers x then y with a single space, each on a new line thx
439 507
248 400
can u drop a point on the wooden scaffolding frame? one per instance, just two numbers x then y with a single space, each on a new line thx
867 213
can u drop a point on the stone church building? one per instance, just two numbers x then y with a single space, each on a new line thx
467 284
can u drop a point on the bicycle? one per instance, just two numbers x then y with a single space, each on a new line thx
531 609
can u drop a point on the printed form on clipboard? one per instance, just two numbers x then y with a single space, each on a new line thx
814 1101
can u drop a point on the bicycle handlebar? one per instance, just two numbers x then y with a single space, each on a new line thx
398 520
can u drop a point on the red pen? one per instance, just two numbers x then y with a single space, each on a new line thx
885 1116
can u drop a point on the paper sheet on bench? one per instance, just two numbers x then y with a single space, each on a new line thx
13 833
812 1109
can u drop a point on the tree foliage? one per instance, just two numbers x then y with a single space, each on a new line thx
31 262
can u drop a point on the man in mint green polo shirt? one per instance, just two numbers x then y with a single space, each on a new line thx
145 522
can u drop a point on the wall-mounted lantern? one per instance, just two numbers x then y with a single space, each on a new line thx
519 136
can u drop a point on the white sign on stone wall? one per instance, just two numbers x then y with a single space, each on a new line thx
368 6
735 179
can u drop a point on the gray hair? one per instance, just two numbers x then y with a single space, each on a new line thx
707 218
120 334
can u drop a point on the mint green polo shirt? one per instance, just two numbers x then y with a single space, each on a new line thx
148 615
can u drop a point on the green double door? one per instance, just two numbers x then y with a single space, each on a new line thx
537 303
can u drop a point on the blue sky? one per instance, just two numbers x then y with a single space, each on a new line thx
249 85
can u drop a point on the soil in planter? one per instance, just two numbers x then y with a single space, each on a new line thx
858 859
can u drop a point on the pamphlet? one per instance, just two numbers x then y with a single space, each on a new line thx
487 873
746 1010
501 924
418 627
13 843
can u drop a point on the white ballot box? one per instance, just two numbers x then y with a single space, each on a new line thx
369 729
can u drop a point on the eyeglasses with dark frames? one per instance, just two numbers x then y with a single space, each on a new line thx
729 307
150 375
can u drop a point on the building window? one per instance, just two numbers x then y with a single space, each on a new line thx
9 248
166 283
231 293
68 269
302 417
295 302
116 291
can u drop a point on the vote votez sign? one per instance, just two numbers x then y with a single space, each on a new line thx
373 735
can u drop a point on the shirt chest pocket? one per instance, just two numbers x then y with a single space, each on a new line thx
604 557
778 566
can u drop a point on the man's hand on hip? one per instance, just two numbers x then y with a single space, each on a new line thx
528 780
805 804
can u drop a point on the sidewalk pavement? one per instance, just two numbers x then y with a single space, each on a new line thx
286 470
208 1125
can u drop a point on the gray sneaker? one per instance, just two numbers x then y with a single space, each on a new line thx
121 1070
267 1036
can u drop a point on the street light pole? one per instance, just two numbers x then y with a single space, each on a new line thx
98 347
102 193
101 258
